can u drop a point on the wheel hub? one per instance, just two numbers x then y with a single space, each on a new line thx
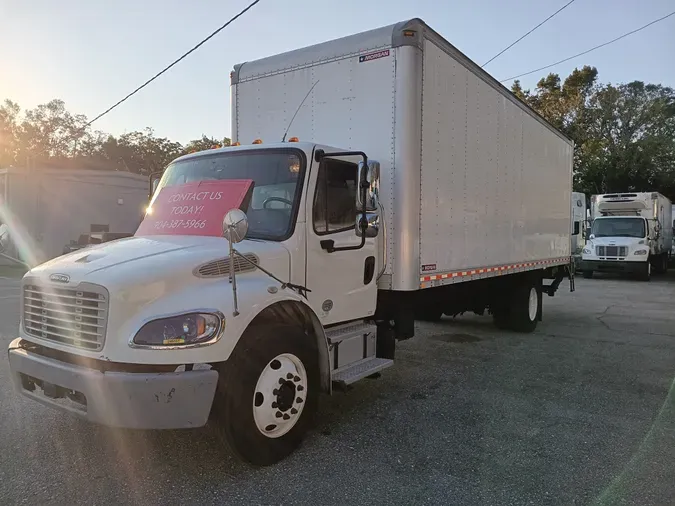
285 395
280 395
533 304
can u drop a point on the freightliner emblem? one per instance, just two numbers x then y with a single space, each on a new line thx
59 278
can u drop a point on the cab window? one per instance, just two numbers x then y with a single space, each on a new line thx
334 207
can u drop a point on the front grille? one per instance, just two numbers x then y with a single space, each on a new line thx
72 316
611 251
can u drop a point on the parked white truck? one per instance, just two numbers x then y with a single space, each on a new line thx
419 185
630 233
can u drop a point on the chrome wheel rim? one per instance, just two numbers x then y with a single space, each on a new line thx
533 304
280 395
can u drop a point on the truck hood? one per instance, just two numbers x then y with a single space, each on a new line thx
159 257
617 241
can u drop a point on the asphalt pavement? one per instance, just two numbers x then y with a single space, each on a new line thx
579 412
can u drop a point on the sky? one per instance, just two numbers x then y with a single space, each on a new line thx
91 54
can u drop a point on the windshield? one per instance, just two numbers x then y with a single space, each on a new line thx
277 175
619 227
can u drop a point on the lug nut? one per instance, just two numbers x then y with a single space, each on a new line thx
294 411
275 392
296 378
287 416
281 381
278 414
300 388
298 400
289 376
274 405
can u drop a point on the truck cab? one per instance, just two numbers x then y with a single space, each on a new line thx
617 243
627 235
152 331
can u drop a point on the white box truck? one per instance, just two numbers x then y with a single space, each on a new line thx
411 182
631 233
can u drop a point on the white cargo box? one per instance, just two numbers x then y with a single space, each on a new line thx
474 183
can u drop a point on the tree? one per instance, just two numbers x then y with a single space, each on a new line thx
204 143
631 146
624 135
51 132
9 113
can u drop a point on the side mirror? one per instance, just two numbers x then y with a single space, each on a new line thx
370 177
591 236
588 232
373 228
155 178
235 225
577 228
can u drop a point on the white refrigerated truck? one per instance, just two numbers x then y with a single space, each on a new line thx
418 184
631 233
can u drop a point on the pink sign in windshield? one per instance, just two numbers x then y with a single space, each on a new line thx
195 208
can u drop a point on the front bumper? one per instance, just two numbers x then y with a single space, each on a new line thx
167 400
612 266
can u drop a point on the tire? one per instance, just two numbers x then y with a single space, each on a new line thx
587 274
428 314
260 422
646 273
501 320
525 305
500 314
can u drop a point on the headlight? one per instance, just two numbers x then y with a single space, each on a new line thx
640 252
586 251
191 328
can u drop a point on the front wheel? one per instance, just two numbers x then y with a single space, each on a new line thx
267 393
646 272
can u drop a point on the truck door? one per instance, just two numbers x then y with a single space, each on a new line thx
342 283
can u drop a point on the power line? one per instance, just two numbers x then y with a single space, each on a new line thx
528 33
241 13
589 50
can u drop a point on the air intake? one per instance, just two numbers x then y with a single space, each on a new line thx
221 267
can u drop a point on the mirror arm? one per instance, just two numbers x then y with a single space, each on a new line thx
302 290
233 277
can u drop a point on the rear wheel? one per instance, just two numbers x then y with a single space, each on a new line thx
430 313
520 308
587 274
268 393
501 317
525 306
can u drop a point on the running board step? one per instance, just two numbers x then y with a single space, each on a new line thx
348 330
359 370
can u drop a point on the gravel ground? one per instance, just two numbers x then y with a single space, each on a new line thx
577 413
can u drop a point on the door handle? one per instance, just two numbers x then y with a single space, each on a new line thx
368 269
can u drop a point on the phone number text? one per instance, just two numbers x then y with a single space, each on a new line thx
174 224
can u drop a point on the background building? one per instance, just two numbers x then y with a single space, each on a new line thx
44 209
